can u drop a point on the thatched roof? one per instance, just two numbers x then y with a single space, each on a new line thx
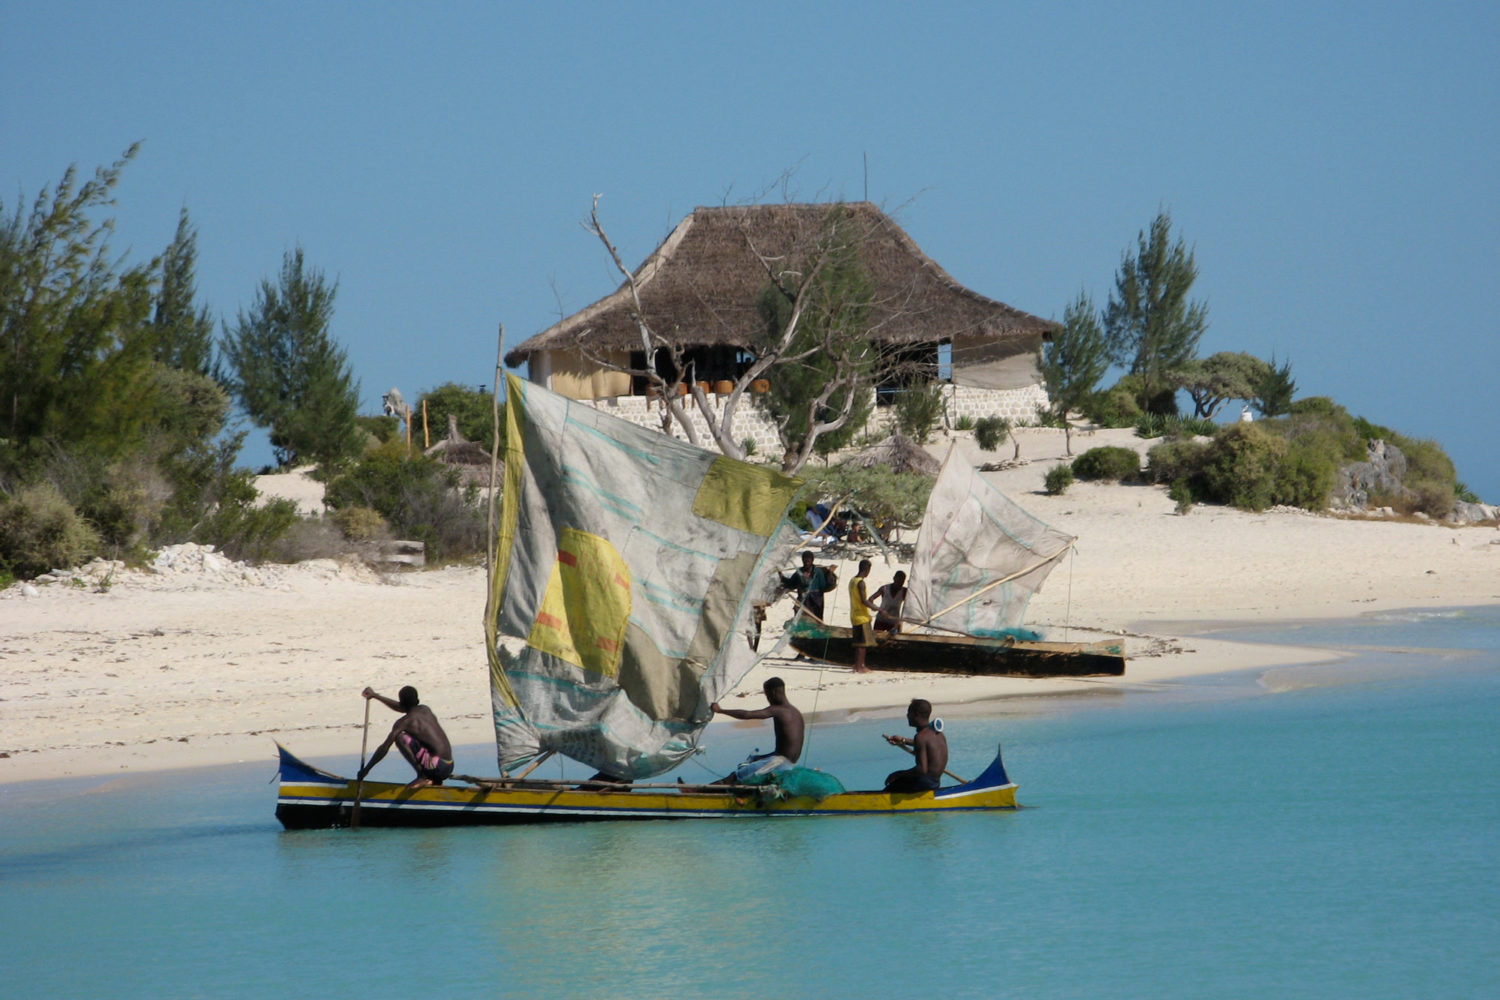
701 286
900 453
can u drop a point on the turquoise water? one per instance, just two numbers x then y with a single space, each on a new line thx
1338 838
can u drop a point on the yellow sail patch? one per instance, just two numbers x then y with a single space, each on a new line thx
586 607
745 497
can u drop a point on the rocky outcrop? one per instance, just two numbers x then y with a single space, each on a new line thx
1383 474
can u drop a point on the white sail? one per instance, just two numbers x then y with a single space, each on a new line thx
627 565
979 557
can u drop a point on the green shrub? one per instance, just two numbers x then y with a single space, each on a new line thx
381 427
918 410
1174 425
1306 474
990 431
421 499
1058 479
1427 496
40 531
1108 463
1182 493
243 529
1241 466
964 423
1176 460
1426 460
359 524
1116 407
1320 406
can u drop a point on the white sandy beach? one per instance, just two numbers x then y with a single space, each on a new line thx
207 662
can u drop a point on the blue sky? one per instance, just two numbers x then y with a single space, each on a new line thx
1333 165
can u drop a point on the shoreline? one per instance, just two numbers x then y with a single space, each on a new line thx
200 661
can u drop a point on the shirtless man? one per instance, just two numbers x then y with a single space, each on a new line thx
419 738
930 747
787 722
888 601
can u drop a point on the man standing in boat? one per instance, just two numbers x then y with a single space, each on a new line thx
418 736
930 747
786 720
861 629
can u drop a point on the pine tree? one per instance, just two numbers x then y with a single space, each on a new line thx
1150 325
286 371
1074 361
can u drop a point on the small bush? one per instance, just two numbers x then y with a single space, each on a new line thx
382 428
39 531
749 445
1175 460
990 431
1429 497
1174 425
1241 466
964 423
1058 479
359 524
1112 408
918 410
247 532
1183 494
419 498
1108 463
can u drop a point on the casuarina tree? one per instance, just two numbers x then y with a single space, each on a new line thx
1151 326
1073 361
288 373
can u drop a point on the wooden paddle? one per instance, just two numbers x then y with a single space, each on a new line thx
359 786
913 752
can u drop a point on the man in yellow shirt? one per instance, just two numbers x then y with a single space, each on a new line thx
859 617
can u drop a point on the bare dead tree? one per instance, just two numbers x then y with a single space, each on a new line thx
794 271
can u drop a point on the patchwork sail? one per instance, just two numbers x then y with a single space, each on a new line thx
626 572
979 557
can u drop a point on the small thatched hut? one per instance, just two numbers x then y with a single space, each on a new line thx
899 453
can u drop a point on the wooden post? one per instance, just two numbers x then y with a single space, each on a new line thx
426 438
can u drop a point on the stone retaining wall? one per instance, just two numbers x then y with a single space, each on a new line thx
1019 406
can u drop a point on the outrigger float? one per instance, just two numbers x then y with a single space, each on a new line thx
314 799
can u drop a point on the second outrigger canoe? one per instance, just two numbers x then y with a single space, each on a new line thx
961 654
310 798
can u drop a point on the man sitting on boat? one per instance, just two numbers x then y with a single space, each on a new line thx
930 747
418 736
888 602
786 721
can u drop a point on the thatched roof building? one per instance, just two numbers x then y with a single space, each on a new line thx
701 287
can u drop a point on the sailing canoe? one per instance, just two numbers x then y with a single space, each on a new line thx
961 654
310 798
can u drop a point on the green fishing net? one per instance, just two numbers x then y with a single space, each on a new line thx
807 783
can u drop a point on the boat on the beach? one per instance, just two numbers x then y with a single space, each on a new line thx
314 799
624 590
978 559
1004 656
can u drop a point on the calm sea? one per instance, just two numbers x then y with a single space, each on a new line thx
1316 832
